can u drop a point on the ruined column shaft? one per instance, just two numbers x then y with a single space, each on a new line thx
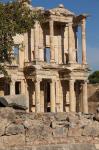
84 97
37 96
83 35
72 96
52 95
52 54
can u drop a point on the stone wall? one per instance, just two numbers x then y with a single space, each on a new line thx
93 97
21 130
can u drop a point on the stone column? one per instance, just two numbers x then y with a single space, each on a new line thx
41 44
32 44
26 46
57 96
51 26
72 96
36 40
27 96
84 97
83 35
12 87
70 52
37 95
61 96
52 95
21 56
65 43
22 87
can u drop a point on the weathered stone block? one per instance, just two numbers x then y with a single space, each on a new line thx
60 132
91 130
14 140
61 116
75 132
14 129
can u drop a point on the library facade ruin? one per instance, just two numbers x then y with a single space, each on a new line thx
45 64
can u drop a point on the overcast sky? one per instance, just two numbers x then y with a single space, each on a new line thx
92 29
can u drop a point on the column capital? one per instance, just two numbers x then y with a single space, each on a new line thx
83 21
70 23
13 81
37 80
53 80
51 21
36 23
72 80
85 81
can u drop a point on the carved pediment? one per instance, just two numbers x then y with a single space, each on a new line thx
61 11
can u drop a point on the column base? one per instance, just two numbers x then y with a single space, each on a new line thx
71 62
52 61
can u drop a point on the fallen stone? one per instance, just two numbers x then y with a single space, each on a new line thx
3 102
16 106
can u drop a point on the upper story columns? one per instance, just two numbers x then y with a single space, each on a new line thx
83 35
70 42
52 53
36 40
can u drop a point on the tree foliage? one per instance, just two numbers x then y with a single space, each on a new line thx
94 77
15 17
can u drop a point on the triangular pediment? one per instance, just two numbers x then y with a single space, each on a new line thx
61 11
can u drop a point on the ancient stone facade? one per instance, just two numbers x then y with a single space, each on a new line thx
45 64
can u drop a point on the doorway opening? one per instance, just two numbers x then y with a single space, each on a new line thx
47 97
17 87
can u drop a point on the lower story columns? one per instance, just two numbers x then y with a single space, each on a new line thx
84 97
52 95
37 96
72 96
27 95
12 88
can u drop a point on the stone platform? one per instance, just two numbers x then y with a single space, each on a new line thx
47 131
